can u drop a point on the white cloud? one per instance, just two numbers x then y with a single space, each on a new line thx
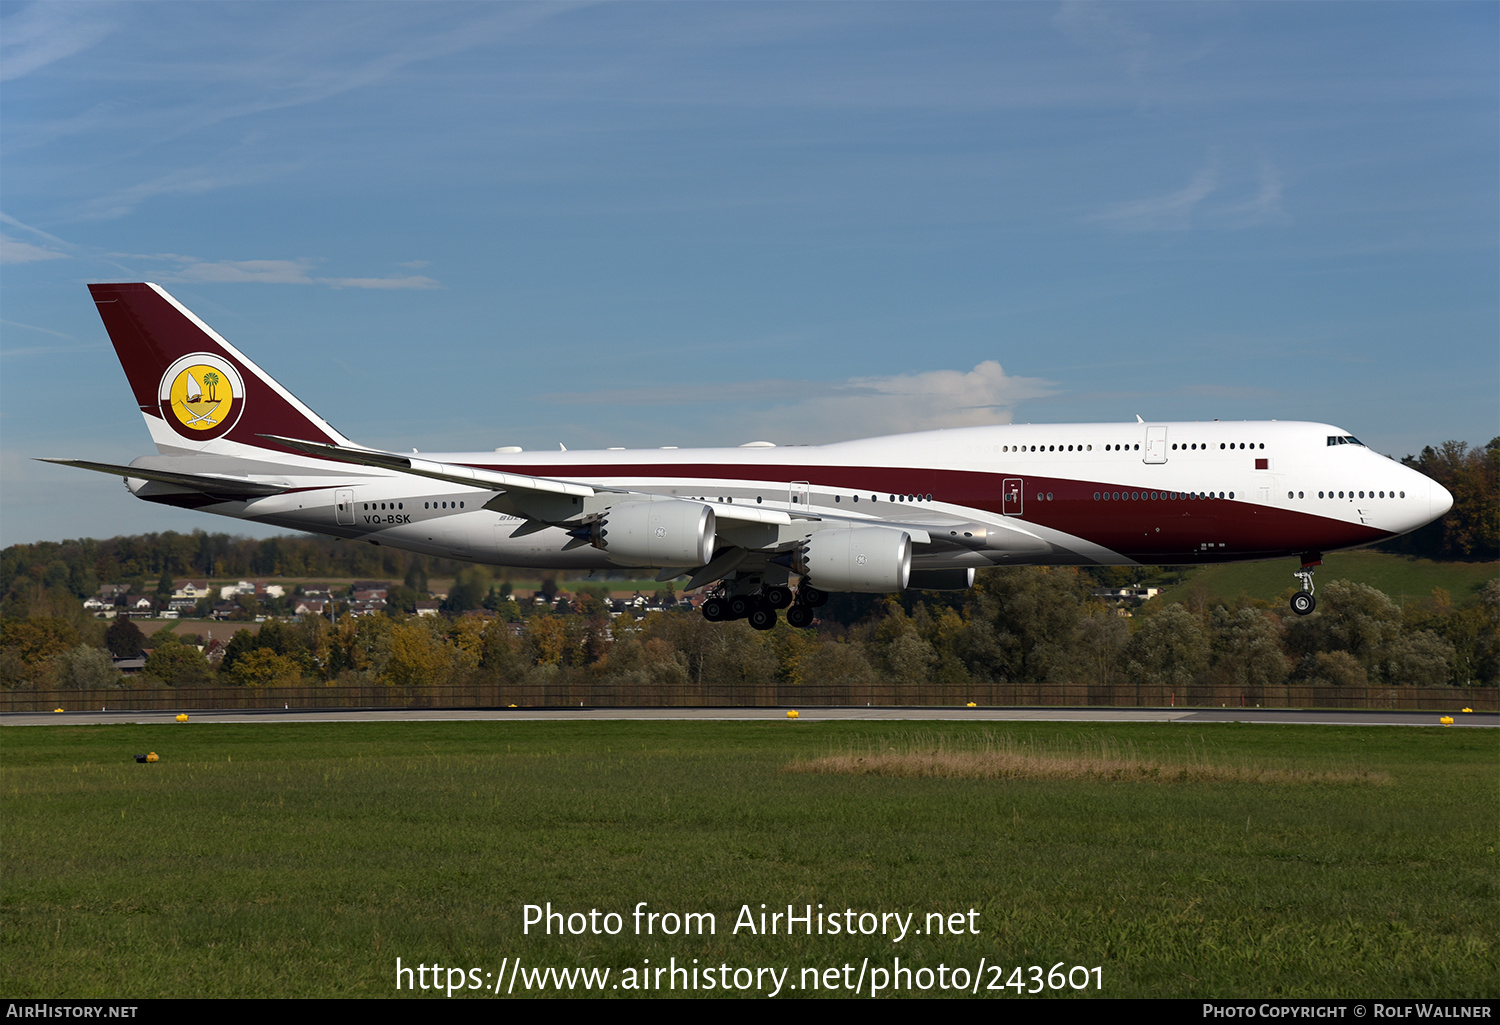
410 281
182 182
15 251
266 272
923 401
1172 212
1207 201
1100 28
273 272
1264 206
815 411
41 33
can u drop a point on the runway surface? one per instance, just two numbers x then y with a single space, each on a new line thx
1356 717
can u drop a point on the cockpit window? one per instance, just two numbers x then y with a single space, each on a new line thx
1344 439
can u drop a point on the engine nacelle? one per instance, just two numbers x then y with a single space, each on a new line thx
873 560
941 579
981 538
664 533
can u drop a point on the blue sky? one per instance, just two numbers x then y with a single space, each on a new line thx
465 226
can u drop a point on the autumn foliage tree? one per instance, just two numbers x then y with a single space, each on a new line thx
1471 529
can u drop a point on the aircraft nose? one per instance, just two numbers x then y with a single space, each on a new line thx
1439 499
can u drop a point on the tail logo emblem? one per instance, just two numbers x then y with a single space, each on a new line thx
201 396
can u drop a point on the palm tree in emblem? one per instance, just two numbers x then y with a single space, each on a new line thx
194 396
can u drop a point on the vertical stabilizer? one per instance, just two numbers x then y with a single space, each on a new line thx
197 392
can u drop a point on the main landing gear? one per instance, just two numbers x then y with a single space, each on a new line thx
1303 601
760 607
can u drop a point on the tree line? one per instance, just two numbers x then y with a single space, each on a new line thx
144 560
1016 624
1471 530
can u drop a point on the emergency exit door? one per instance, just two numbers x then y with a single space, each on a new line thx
1010 500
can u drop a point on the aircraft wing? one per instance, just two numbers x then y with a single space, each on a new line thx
452 473
525 484
226 487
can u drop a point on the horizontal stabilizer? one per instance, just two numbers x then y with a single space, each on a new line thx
228 488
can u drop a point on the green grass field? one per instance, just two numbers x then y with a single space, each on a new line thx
1400 577
303 860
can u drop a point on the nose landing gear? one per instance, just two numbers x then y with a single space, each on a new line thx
1303 601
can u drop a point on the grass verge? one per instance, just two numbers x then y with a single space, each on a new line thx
304 859
1402 578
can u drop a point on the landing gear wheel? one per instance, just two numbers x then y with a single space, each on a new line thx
811 596
715 610
799 616
777 596
762 617
1303 601
740 606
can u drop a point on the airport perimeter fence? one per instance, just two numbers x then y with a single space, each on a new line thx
584 693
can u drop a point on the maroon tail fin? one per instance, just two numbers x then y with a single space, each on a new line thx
196 390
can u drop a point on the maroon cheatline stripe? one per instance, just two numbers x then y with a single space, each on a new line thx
1159 529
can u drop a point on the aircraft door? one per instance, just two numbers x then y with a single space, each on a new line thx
1156 445
343 506
799 493
1010 500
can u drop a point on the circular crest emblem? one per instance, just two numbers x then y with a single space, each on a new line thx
201 396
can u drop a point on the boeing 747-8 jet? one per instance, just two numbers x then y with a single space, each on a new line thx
772 528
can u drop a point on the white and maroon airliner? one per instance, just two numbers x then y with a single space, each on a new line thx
769 527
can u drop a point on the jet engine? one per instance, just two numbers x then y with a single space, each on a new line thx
941 579
874 560
664 533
